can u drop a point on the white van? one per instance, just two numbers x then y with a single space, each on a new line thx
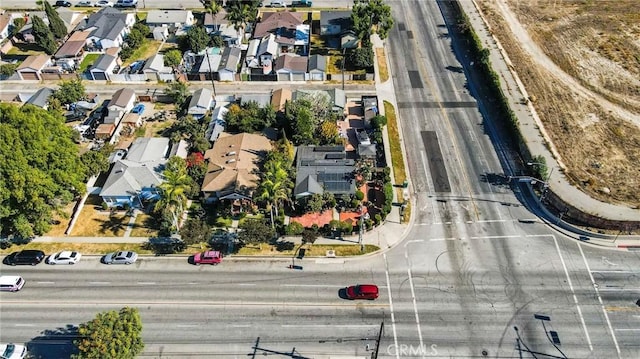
11 283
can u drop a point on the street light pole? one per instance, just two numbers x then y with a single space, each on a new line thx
213 85
344 49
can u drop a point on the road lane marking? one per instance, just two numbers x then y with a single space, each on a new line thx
619 289
186 325
100 283
44 282
393 317
329 325
627 329
234 303
246 284
595 287
413 296
575 299
147 283
25 325
310 285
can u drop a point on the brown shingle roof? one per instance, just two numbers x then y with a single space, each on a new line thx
121 97
292 63
279 98
36 62
273 21
233 163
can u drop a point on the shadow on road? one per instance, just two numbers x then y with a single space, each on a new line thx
54 344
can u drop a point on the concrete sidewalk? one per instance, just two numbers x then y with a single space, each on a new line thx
537 140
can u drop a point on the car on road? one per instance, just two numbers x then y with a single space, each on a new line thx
62 3
104 3
11 283
64 257
277 3
126 3
13 351
207 257
121 257
84 4
362 291
27 256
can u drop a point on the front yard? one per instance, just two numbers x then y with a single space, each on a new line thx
93 221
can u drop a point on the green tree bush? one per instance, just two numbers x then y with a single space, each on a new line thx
57 26
43 37
111 334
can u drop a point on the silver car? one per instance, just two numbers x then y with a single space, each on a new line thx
64 257
122 257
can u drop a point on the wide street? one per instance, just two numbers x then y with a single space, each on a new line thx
172 4
466 282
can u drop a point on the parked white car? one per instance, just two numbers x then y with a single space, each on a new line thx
64 257
104 3
122 257
13 351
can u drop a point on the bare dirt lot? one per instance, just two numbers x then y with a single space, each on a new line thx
580 63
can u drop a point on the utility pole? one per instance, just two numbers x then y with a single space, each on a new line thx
344 49
255 348
213 85
375 353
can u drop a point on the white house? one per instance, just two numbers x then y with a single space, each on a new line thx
155 70
201 102
121 103
229 64
103 67
173 19
109 27
5 23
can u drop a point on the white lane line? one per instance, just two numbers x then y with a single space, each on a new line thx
575 299
329 325
413 297
616 271
186 325
393 317
495 237
147 283
46 282
628 329
309 285
100 283
239 325
619 289
24 325
246 284
595 287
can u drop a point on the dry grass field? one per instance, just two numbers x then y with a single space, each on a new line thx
580 63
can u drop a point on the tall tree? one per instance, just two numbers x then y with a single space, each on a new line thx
70 91
239 14
371 15
44 37
40 169
197 38
111 334
275 187
57 26
179 92
173 196
255 231
173 58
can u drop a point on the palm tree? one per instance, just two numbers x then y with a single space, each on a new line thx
173 193
236 15
214 8
275 187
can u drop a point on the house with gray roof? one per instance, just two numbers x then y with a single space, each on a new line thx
174 20
40 98
200 103
321 169
263 100
290 67
121 103
213 22
137 177
108 27
317 67
229 64
334 22
155 70
103 67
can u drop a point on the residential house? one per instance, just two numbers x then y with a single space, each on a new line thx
121 103
217 124
5 23
229 64
104 131
290 67
31 68
206 66
288 28
74 46
213 22
232 166
336 97
155 70
333 23
160 33
175 20
263 100
230 36
369 108
137 177
349 40
317 68
109 27
279 99
250 57
322 169
132 120
200 103
103 67
180 149
40 98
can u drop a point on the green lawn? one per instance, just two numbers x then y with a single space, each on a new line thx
87 61
145 51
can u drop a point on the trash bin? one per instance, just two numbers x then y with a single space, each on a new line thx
405 184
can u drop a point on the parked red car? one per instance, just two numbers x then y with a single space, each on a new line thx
362 291
207 257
